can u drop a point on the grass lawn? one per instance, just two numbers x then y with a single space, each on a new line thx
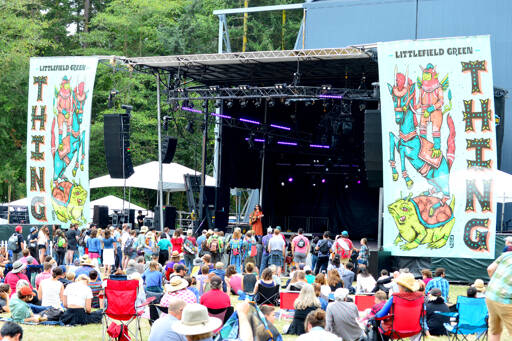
94 332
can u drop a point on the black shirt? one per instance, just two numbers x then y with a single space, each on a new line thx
71 237
140 219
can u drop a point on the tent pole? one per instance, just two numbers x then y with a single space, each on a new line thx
502 212
160 194
202 212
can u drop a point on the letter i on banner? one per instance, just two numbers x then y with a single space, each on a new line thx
58 126
439 147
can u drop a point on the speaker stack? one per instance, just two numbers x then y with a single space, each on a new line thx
373 147
169 214
168 148
117 145
100 216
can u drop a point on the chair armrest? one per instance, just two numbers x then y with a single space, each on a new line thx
450 314
383 317
146 302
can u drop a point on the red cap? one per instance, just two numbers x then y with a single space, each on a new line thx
26 291
18 228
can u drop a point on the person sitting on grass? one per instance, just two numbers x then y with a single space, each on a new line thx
310 278
96 288
153 278
334 280
305 303
342 317
20 310
51 290
234 279
5 294
318 292
265 288
315 328
16 274
202 279
161 330
78 303
435 321
262 334
11 332
219 271
177 287
325 289
215 300
248 282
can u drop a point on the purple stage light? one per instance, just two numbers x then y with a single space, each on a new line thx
280 127
256 140
323 181
220 115
192 110
319 146
358 181
290 179
248 121
331 96
287 143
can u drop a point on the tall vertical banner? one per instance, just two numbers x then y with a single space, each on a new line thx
59 116
439 145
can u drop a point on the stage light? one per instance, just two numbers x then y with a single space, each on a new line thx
229 104
271 103
331 96
319 146
323 181
326 87
257 103
246 120
358 181
282 184
314 185
285 143
362 107
197 111
220 115
243 87
243 103
288 102
280 127
214 87
256 140
280 86
346 186
181 90
290 179
190 127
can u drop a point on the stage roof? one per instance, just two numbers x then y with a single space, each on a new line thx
318 66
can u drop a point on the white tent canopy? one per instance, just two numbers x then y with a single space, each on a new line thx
115 203
146 176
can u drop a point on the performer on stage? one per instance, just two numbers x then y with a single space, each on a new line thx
255 219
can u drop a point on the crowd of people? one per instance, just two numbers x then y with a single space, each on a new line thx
196 278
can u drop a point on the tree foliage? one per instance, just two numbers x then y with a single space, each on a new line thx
31 28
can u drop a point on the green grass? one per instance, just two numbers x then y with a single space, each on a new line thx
94 332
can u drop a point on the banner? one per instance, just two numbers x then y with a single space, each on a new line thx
439 145
59 116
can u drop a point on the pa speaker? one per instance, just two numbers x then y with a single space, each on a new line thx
499 111
168 148
373 147
100 216
169 214
116 132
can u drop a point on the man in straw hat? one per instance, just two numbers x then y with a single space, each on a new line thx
407 289
177 287
162 328
499 296
195 323
86 267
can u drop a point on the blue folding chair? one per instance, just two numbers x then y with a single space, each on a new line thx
471 317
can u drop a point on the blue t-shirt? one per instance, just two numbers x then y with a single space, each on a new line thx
164 244
94 245
152 278
162 330
108 243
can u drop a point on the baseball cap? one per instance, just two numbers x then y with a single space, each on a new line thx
26 291
278 228
344 234
32 229
435 292
18 228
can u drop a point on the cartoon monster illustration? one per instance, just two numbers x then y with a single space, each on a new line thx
430 103
64 107
416 149
79 97
417 227
68 200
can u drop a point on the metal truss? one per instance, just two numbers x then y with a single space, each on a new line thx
278 91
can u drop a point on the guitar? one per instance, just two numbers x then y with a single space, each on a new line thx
254 218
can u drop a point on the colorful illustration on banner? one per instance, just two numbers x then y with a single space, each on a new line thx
68 197
428 217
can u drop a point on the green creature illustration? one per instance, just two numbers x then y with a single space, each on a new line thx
417 227
68 202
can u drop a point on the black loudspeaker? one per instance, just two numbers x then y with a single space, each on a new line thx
168 148
221 220
130 213
373 147
100 216
373 261
116 132
169 217
499 113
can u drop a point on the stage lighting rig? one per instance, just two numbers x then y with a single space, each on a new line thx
243 103
271 103
280 86
257 103
229 104
243 87
214 88
326 87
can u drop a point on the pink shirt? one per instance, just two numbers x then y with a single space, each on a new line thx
303 249
24 260
235 282
185 294
12 279
42 276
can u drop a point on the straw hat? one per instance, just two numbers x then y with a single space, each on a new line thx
175 254
85 260
195 321
176 283
18 267
144 229
479 285
407 281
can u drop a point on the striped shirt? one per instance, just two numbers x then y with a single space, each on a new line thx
440 283
500 286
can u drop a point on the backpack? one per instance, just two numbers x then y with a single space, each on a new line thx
301 243
236 249
189 247
342 248
254 250
128 246
12 243
61 242
81 239
214 245
325 247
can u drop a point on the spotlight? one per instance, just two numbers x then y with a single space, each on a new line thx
280 86
314 185
181 90
243 103
190 127
243 87
323 181
287 102
257 103
271 103
282 184
358 181
346 186
290 179
326 87
229 104
214 87
218 103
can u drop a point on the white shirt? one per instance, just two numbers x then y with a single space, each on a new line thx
41 238
365 284
318 333
77 293
50 290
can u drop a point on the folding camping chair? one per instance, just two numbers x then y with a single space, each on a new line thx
287 299
120 306
471 317
364 302
267 295
406 318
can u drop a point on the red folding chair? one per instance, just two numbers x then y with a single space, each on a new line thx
286 301
405 315
364 302
120 306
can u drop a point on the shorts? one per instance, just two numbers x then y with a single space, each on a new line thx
299 258
276 258
499 314
94 255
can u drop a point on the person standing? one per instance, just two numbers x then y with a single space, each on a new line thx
215 247
255 219
265 255
61 247
499 296
277 251
300 248
109 250
164 246
177 241
72 238
42 242
200 241
32 242
324 248
140 219
16 243
343 246
189 250
235 247
364 252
